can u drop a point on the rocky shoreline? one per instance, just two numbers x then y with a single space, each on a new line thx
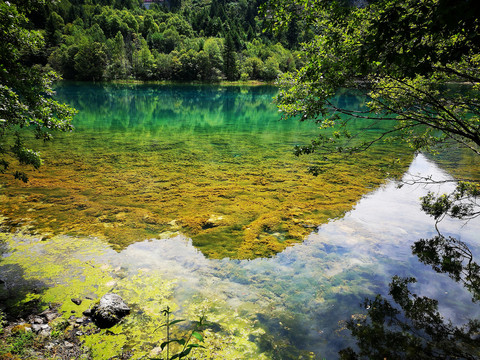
50 334
46 335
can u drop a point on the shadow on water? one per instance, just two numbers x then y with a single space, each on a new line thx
19 296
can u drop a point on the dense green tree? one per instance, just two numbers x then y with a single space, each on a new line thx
251 14
188 69
253 67
73 26
164 66
212 48
175 4
53 29
129 19
170 40
230 59
25 91
95 33
233 31
203 67
62 59
149 26
401 54
200 20
90 61
126 4
143 62
271 69
215 27
118 66
292 33
250 34
178 23
217 10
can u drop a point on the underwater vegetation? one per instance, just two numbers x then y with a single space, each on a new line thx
214 163
291 305
86 274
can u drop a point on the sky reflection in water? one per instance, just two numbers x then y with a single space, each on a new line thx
323 280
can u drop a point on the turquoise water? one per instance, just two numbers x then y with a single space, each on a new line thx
189 196
211 162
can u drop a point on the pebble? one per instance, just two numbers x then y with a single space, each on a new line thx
50 316
76 301
36 327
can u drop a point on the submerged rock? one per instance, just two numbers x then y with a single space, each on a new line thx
76 301
213 221
109 311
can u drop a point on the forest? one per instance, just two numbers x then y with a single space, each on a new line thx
190 40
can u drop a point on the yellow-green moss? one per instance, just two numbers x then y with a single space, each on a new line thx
73 268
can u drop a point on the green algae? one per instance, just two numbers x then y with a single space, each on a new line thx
63 277
78 268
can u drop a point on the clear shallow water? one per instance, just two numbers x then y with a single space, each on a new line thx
298 298
294 301
315 285
210 162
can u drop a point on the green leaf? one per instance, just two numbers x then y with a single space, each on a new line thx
185 352
175 321
178 341
197 336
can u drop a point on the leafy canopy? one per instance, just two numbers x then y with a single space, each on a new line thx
25 90
403 55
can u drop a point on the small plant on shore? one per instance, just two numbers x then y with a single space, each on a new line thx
17 341
2 322
186 344
21 342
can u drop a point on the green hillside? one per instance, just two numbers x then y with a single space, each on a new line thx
189 40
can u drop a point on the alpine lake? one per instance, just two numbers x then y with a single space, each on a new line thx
190 197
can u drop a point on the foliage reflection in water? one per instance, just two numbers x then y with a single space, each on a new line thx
214 163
